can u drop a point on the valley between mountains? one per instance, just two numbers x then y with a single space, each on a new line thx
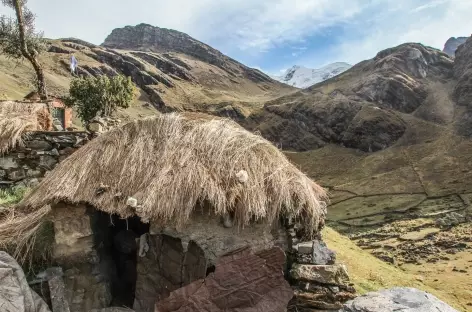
389 137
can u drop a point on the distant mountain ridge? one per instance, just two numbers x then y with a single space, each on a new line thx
148 38
303 77
452 44
172 71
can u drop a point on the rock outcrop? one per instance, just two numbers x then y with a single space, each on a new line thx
149 38
462 92
452 44
397 299
242 281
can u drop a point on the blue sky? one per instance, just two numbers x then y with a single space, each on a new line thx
270 34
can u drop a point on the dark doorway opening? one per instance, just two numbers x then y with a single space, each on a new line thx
117 242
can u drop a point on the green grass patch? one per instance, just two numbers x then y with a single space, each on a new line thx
12 196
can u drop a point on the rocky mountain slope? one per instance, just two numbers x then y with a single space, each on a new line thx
452 44
367 107
390 137
172 70
302 77
391 140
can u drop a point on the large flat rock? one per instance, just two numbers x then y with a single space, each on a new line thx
396 299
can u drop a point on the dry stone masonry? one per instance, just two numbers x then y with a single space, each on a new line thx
317 281
26 165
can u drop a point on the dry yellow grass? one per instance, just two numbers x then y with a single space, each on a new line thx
17 118
18 232
370 274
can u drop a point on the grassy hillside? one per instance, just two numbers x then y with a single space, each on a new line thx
385 137
369 273
408 205
165 81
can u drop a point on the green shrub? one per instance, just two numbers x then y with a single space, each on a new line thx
100 95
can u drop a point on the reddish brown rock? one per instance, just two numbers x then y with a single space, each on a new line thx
242 281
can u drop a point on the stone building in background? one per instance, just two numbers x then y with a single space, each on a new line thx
33 140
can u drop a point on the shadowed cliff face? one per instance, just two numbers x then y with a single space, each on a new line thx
463 89
366 107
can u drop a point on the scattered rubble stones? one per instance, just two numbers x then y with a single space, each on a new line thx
387 244
451 219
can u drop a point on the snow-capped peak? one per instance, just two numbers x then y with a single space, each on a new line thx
302 77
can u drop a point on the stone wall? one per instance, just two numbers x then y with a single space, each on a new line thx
75 249
40 153
166 267
318 282
215 239
177 257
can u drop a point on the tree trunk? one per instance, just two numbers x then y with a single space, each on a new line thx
29 55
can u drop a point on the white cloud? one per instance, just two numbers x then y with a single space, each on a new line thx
430 5
298 51
246 29
247 24
392 27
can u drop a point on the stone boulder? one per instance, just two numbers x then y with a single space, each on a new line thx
322 254
325 274
314 252
100 125
15 293
242 281
396 299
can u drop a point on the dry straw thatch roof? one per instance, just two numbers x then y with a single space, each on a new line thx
171 162
18 118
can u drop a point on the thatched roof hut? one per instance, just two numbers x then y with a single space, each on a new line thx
171 162
144 181
18 118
